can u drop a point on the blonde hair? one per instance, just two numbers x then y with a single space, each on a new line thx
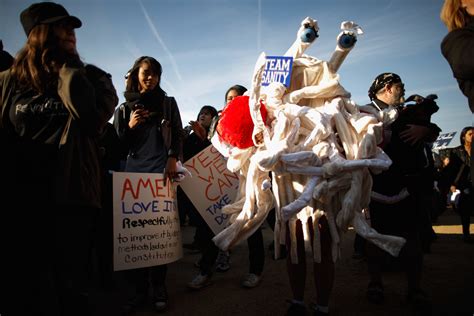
453 15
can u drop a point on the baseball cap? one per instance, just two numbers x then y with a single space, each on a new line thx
45 13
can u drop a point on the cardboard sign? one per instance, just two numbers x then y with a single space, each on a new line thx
277 69
443 140
146 221
211 187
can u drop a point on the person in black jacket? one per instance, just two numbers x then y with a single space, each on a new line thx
394 207
418 110
195 141
460 179
149 126
458 47
51 101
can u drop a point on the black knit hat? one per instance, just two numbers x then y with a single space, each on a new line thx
381 80
45 13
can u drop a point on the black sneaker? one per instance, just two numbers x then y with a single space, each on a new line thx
160 298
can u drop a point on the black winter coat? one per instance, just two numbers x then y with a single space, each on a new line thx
165 118
458 49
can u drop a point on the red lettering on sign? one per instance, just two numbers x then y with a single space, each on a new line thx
202 159
208 193
210 178
128 187
145 183
220 165
222 184
159 187
156 189
192 165
231 176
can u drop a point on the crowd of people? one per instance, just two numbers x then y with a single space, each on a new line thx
61 140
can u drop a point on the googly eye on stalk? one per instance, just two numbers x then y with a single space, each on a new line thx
345 43
348 36
347 40
309 34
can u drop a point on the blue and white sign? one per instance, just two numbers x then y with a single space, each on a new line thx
443 140
277 69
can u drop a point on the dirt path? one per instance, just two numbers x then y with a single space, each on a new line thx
448 279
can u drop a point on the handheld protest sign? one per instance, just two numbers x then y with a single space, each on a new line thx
277 69
146 221
211 187
443 140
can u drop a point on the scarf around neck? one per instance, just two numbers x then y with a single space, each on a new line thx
151 100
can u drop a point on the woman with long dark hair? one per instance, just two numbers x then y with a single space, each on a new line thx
459 166
50 101
149 126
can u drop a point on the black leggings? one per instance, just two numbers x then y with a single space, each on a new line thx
256 252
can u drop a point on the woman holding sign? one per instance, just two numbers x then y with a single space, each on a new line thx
213 258
149 125
195 140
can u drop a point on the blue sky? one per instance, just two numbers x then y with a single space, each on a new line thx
205 46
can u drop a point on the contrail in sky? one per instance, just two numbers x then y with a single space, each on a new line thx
158 37
259 26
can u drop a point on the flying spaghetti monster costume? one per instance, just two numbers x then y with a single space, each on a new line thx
316 143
